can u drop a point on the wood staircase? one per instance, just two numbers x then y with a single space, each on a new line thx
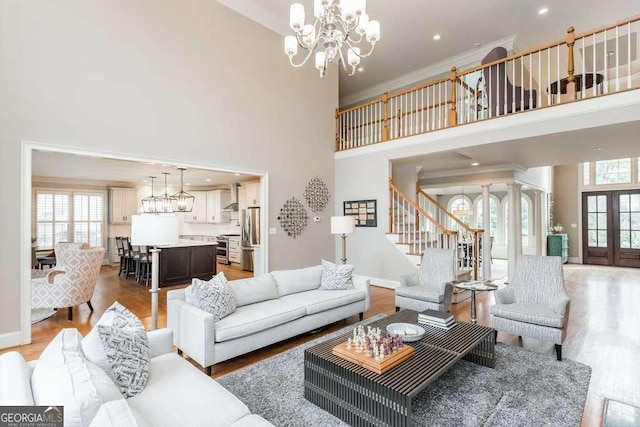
413 227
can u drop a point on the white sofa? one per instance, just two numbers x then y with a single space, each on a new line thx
176 393
270 308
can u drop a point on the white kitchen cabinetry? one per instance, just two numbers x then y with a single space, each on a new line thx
216 201
235 252
123 203
199 212
252 193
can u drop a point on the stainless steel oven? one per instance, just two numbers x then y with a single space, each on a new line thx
223 249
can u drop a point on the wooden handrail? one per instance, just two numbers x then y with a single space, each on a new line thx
446 91
450 215
420 210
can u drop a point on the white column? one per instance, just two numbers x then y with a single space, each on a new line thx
537 221
486 238
514 231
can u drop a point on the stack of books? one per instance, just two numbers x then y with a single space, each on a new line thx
436 318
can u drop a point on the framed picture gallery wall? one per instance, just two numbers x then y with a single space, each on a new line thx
364 212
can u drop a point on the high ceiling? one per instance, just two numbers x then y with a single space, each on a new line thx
408 27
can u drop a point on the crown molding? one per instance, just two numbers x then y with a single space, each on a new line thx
513 167
462 61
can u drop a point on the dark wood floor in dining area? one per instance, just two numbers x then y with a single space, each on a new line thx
603 331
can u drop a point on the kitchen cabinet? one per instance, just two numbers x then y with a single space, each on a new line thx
123 204
235 251
199 212
216 201
252 193
558 245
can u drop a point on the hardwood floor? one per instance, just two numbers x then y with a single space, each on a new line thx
604 321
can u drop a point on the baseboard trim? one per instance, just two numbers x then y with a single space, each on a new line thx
383 283
10 339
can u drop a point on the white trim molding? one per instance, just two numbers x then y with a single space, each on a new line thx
10 339
383 283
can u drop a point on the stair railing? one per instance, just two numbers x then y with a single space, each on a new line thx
469 239
416 227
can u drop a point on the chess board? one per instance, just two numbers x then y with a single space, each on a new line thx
369 362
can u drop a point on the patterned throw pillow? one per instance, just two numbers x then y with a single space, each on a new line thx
119 345
335 276
214 296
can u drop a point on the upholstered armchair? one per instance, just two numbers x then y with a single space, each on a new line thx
428 288
535 304
62 249
72 286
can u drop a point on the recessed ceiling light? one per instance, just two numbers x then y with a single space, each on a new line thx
360 69
476 45
543 11
436 37
208 179
145 181
236 174
598 149
187 183
475 164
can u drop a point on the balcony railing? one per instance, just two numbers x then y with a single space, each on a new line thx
608 61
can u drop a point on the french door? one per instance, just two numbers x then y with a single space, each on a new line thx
611 228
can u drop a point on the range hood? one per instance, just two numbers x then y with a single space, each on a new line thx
233 206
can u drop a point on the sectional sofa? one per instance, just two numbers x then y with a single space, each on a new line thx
270 308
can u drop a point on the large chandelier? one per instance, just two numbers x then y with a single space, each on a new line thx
183 201
339 24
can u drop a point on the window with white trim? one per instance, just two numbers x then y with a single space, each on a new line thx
53 218
69 216
613 171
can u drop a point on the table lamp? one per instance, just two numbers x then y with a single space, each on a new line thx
154 230
343 225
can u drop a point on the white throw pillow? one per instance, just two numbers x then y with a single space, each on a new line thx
336 276
119 345
63 377
214 296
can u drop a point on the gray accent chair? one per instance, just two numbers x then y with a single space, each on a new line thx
536 303
428 288
498 86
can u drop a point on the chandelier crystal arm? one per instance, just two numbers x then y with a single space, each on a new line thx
338 25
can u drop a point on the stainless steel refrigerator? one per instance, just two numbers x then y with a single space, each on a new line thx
250 224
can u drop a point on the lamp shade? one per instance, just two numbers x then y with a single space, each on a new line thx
154 230
343 224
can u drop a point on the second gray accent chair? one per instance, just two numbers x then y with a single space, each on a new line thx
428 288
535 304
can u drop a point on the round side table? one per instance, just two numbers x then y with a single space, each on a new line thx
474 286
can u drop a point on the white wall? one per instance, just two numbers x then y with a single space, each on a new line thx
189 82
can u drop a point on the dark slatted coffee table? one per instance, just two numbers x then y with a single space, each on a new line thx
363 398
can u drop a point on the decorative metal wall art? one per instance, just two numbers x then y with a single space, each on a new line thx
317 195
293 217
364 211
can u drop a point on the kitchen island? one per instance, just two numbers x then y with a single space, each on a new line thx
185 260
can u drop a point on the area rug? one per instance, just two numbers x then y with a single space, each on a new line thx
524 389
40 314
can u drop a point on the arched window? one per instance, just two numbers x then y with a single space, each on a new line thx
526 223
460 207
492 230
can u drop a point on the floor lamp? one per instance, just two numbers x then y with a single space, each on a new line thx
343 225
154 230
